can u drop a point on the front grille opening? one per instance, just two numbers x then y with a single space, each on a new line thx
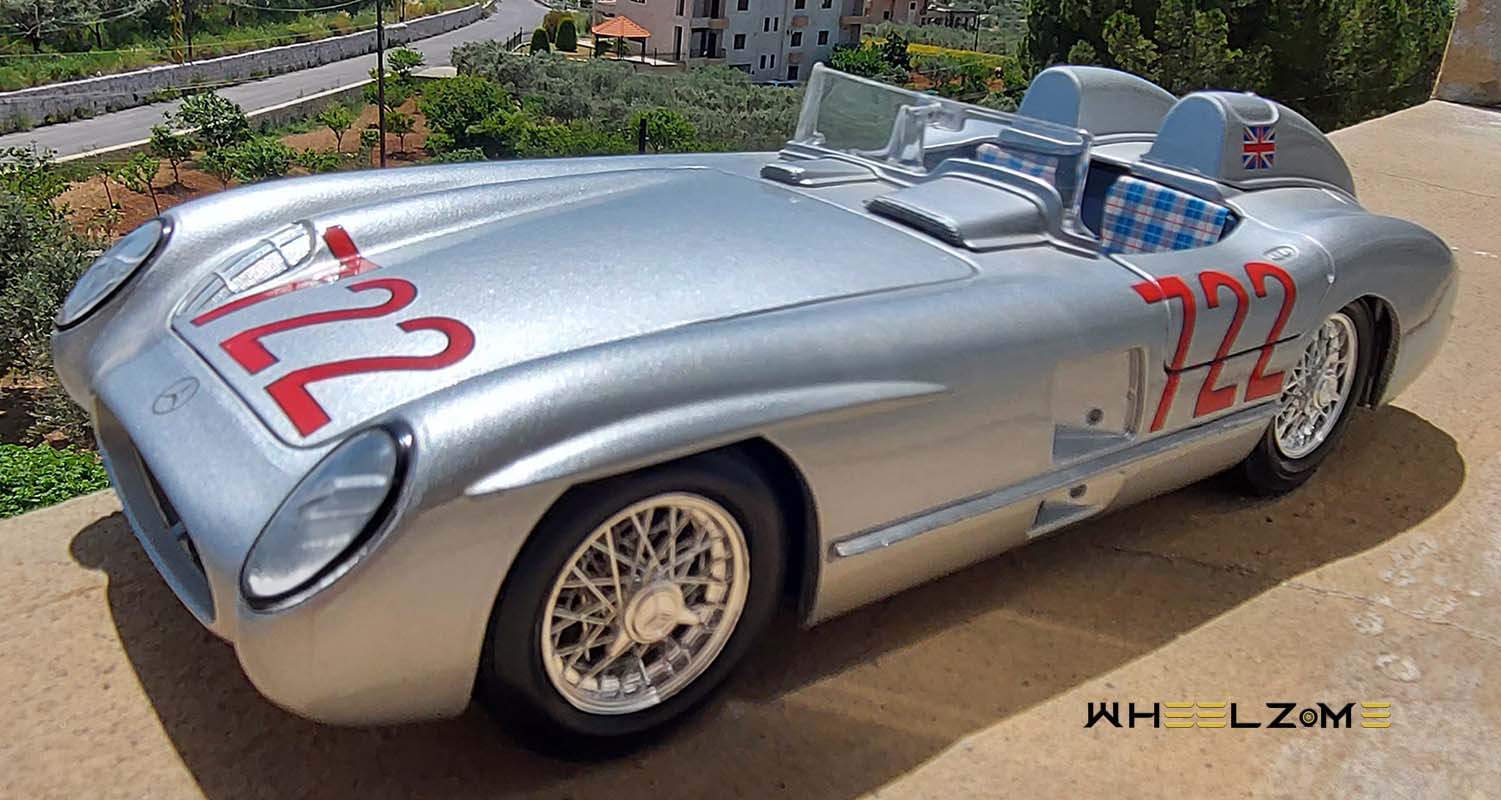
154 518
172 520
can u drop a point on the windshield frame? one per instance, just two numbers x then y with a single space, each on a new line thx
922 125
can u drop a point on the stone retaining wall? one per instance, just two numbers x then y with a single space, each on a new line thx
114 92
1472 64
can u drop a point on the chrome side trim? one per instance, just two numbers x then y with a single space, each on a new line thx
944 516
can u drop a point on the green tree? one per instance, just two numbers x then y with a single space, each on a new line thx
401 125
567 37
106 173
540 43
1128 48
37 20
1196 53
1082 53
403 61
665 129
454 106
171 147
397 91
338 119
138 174
217 122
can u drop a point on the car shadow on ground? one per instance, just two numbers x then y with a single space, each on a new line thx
845 707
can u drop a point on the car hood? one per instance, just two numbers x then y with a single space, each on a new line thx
385 303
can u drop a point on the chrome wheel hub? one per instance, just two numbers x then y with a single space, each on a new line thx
654 612
645 604
1315 391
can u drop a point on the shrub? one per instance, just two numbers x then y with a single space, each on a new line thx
41 258
894 51
38 476
567 40
665 129
219 122
540 42
259 159
317 161
30 174
459 155
553 20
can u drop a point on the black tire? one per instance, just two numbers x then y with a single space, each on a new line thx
1267 471
512 682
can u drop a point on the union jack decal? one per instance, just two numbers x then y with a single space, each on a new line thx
1258 147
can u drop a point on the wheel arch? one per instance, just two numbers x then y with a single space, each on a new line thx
1384 358
790 492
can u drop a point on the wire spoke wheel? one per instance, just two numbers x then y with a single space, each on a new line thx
1316 391
644 605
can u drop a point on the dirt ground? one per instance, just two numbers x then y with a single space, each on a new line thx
1378 581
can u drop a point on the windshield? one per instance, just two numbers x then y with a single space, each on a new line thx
915 133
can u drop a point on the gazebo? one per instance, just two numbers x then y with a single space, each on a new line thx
621 27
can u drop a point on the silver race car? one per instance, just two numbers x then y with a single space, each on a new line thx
562 434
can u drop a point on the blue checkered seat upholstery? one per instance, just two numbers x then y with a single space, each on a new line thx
1037 165
1144 217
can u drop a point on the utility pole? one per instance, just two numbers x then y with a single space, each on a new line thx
380 75
176 19
187 25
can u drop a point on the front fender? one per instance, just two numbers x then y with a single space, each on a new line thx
658 435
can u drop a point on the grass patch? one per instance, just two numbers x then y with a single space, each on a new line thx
40 475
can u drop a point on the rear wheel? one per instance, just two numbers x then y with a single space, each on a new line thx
632 601
1319 396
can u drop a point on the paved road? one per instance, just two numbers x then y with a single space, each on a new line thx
1380 580
134 124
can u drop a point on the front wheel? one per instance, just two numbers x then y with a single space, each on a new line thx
1318 398
632 601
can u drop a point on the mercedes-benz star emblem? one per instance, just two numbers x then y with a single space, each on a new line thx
175 396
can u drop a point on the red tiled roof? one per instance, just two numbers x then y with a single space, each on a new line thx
620 28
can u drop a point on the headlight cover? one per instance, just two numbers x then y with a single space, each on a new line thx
345 497
109 271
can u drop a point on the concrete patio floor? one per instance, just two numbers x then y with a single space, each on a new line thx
1378 581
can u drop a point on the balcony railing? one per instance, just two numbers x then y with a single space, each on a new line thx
708 9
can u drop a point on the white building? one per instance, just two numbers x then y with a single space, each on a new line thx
773 40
